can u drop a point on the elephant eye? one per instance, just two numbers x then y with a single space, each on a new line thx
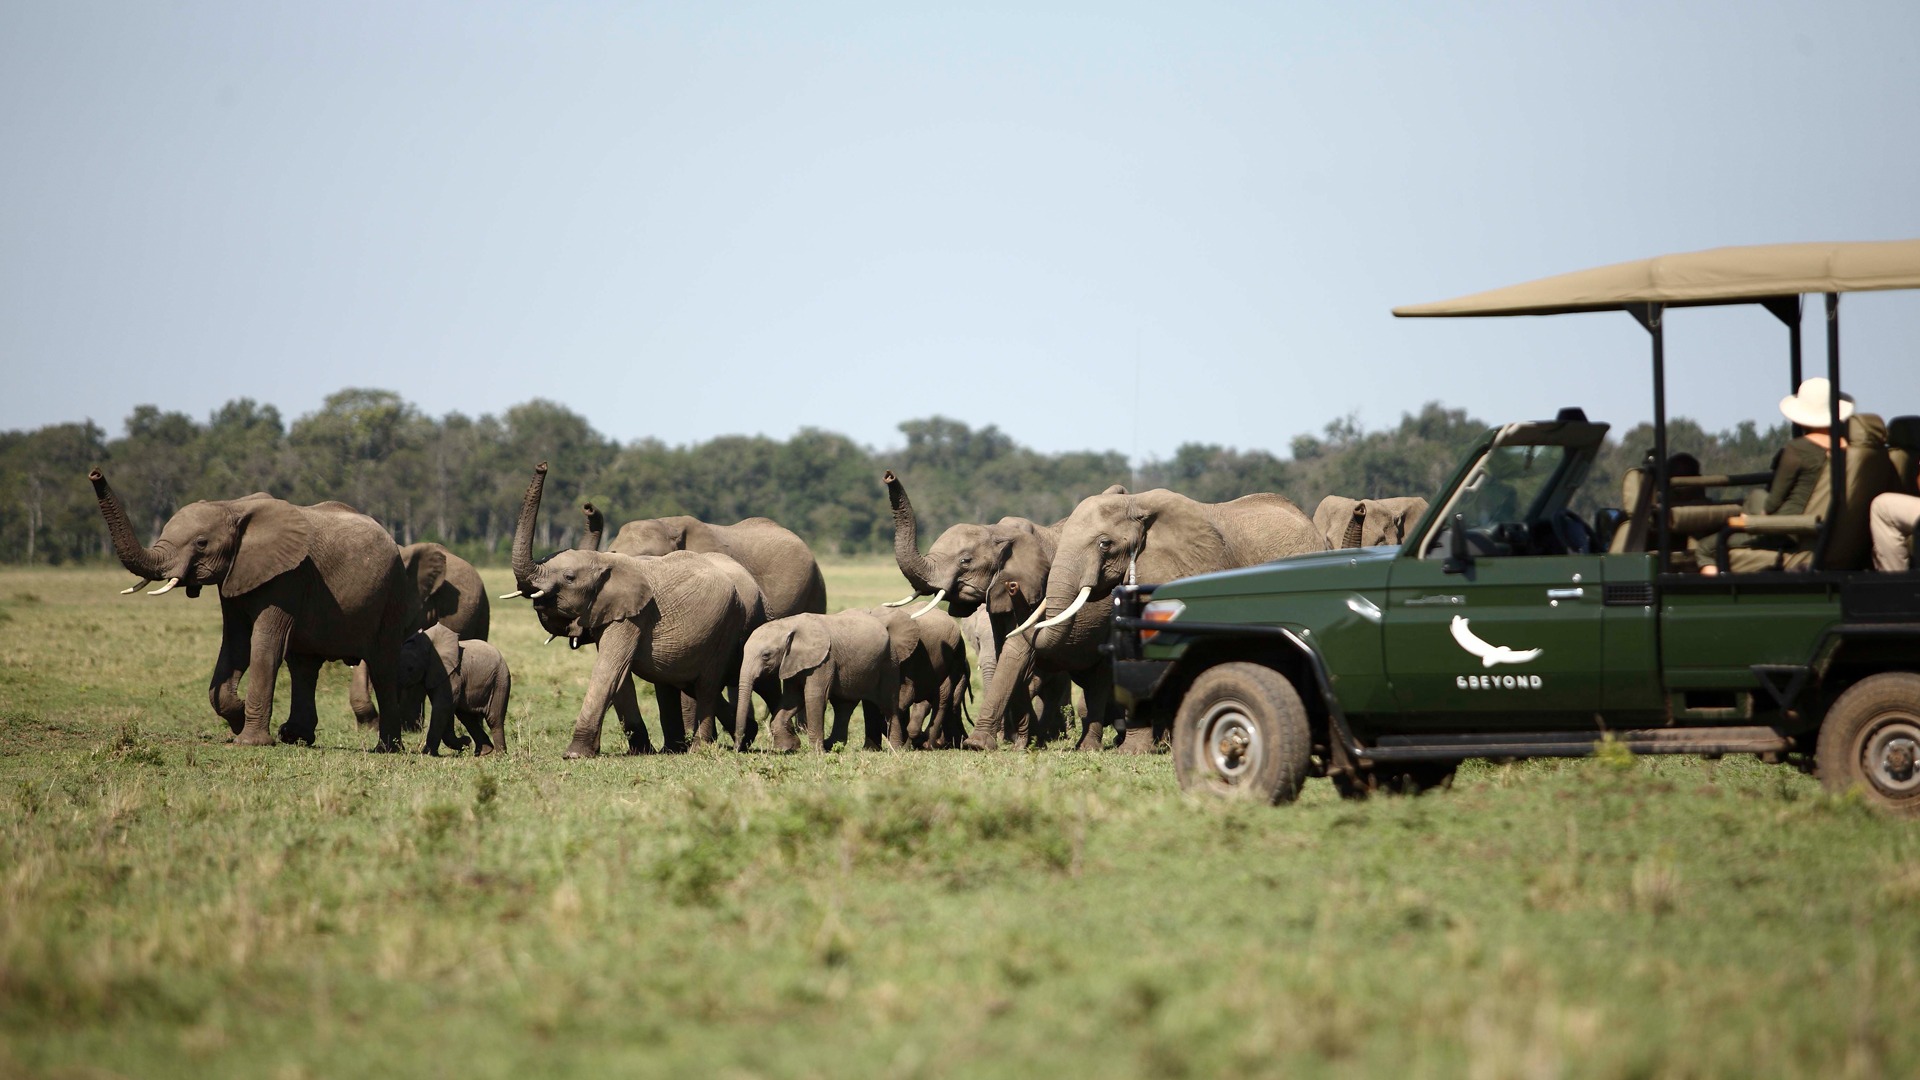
1106 544
966 560
200 543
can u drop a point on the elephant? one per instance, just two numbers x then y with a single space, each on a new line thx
931 654
1154 536
675 620
451 595
299 584
843 659
1352 523
464 679
780 562
1000 568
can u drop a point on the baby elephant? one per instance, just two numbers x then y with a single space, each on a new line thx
467 679
842 659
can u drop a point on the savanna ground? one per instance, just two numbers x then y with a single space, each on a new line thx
171 906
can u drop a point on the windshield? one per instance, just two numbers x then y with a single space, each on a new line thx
1508 486
1512 500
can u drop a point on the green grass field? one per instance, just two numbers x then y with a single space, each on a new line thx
172 906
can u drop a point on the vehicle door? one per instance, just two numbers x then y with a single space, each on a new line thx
1510 635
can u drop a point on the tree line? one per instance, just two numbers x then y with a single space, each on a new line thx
458 480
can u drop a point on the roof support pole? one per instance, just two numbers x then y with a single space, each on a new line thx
1656 323
1835 455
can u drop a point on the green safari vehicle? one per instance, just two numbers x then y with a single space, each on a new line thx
1507 626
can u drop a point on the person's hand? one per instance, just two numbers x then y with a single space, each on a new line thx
1737 521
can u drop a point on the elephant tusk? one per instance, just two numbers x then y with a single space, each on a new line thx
903 601
509 595
937 597
164 589
1078 603
136 586
550 638
1031 619
536 594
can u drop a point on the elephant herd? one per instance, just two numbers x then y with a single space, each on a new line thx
713 616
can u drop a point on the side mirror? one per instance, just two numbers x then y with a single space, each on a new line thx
1458 558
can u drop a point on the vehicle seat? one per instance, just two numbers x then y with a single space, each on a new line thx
1636 495
1849 545
1903 449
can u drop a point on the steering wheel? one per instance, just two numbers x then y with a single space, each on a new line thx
1572 534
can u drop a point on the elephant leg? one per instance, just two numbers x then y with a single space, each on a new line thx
1138 738
814 697
673 719
705 702
914 731
303 718
1093 727
271 629
475 721
360 698
611 670
626 705
223 691
497 719
780 721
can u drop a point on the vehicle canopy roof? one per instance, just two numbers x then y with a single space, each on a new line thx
1730 275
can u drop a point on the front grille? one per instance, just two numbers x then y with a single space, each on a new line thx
1628 593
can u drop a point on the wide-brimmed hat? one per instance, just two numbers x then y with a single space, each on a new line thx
1812 406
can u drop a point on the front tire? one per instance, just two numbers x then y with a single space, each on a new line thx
1241 733
1871 740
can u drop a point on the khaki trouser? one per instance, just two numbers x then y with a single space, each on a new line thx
1894 516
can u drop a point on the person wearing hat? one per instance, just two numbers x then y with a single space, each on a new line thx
1798 466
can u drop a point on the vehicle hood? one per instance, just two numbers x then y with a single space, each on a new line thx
1344 568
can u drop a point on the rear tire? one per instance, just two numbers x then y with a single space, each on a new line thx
1870 739
1241 733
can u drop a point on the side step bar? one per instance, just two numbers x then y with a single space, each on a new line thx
1719 740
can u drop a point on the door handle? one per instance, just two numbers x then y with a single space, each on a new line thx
1566 594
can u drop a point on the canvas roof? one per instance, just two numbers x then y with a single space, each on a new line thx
1729 275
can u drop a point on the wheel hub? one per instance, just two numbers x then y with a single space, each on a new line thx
1231 743
1892 755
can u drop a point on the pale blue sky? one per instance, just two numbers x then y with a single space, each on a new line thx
690 220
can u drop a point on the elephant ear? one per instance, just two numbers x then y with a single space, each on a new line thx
427 563
807 648
621 591
447 644
274 537
1023 562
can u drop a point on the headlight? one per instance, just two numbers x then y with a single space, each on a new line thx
1159 611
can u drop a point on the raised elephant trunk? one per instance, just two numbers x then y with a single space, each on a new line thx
1356 525
142 562
596 524
523 532
906 538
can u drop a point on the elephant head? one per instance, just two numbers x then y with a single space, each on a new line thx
237 545
576 593
1158 536
1354 523
782 649
426 567
429 661
1003 565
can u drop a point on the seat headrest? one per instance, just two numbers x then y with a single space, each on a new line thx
1904 432
1867 431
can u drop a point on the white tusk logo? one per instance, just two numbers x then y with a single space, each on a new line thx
1489 654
